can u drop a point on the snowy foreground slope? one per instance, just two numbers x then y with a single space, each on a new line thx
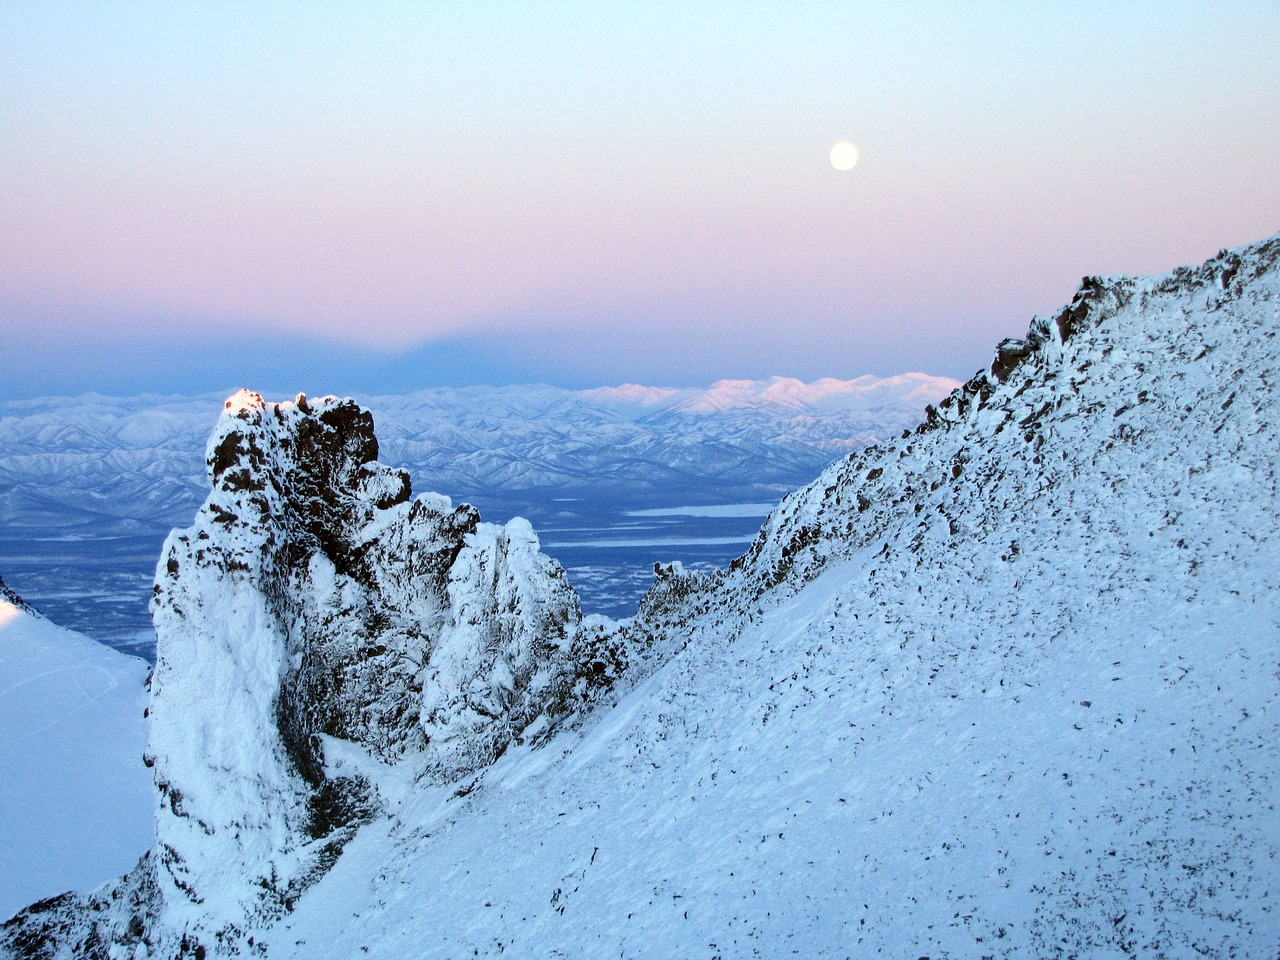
75 799
1007 686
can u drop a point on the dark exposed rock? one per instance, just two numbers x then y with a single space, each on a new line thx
9 596
113 921
1009 353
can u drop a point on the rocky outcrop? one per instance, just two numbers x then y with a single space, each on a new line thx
314 600
500 660
7 595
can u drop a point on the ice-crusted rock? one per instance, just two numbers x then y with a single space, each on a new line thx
505 637
314 598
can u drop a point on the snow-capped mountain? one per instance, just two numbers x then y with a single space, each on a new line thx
90 486
1005 686
75 799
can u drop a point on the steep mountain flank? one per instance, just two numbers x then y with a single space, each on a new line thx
1048 619
1007 686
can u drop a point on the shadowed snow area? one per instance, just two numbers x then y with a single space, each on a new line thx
75 799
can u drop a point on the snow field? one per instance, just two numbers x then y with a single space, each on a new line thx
75 798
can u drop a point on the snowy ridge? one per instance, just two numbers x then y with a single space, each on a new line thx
1161 362
1003 687
75 799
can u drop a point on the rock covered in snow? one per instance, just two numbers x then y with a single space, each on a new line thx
15 601
314 600
501 658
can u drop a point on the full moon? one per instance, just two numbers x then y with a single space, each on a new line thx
844 155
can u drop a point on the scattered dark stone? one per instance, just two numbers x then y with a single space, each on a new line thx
1009 354
12 597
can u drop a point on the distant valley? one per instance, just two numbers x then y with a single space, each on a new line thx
613 479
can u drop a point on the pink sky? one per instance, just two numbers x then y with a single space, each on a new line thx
632 193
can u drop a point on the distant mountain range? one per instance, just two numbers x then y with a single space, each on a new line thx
90 485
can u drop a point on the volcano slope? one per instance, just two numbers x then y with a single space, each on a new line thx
1006 686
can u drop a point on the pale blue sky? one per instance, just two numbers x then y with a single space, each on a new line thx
335 197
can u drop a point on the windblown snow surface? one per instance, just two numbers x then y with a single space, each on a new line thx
75 799
1004 687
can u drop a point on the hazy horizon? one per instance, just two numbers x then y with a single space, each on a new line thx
342 198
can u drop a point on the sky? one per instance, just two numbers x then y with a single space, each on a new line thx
377 197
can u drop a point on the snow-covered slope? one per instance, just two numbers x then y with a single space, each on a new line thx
75 799
90 485
1007 686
